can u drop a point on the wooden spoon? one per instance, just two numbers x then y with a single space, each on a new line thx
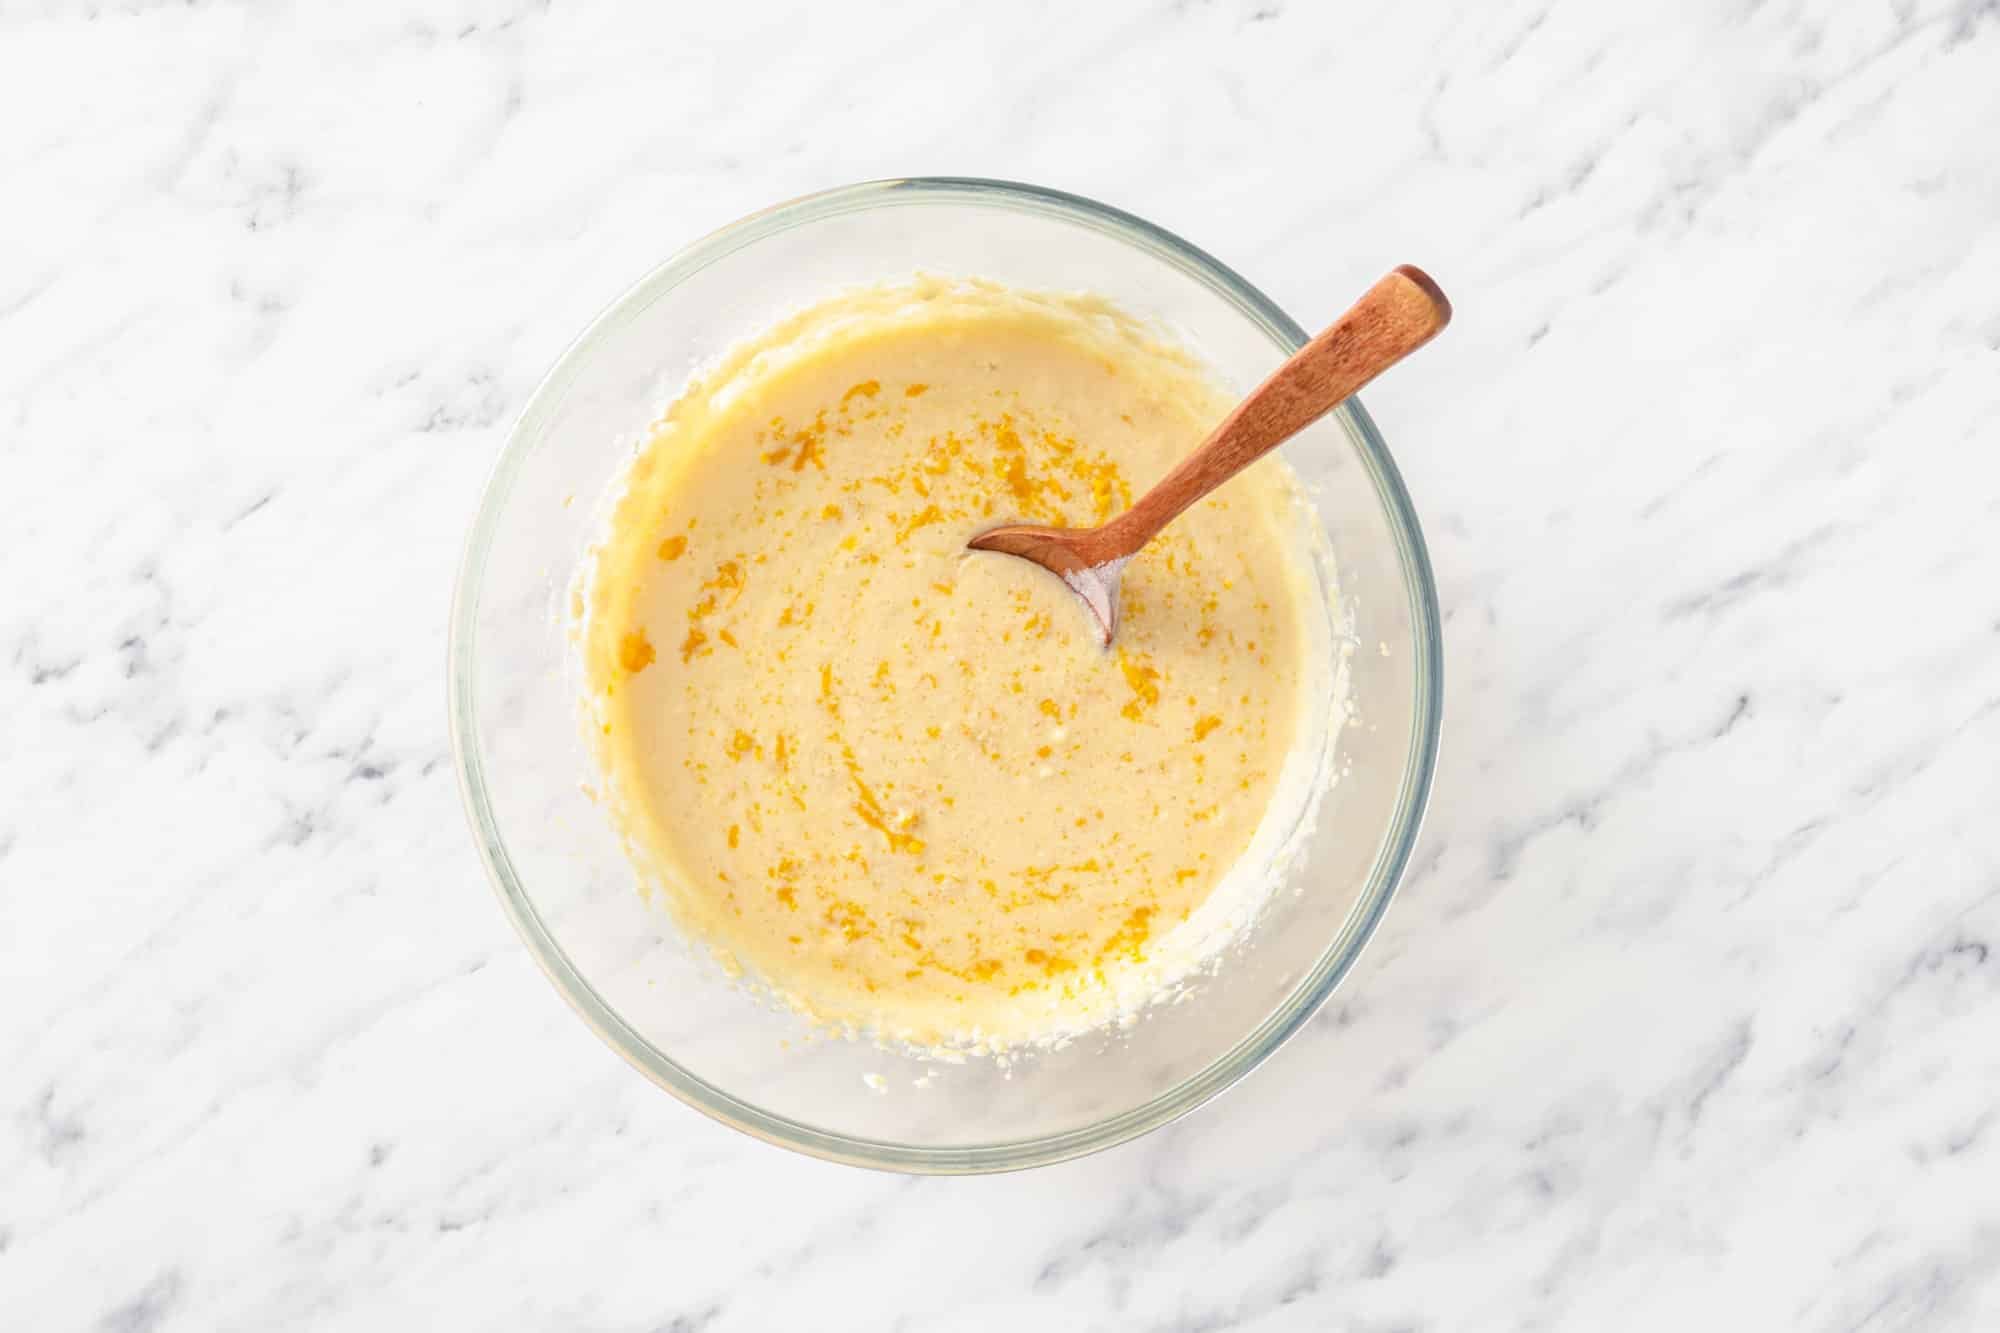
1398 315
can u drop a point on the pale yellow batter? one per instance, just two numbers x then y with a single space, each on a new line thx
899 783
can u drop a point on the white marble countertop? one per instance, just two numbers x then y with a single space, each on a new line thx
1690 1011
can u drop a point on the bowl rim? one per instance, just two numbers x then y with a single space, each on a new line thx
1334 962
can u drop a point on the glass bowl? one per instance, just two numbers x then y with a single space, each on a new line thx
561 871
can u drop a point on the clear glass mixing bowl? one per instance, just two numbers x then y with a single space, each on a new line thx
561 871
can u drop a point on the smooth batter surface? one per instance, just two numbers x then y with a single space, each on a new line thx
900 783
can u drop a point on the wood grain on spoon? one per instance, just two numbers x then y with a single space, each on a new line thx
1395 317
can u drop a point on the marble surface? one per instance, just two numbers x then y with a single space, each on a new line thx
1688 1012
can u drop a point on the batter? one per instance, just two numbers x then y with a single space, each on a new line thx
899 783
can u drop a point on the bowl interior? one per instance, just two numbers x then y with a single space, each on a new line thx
561 870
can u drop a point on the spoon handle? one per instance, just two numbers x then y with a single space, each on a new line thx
1398 315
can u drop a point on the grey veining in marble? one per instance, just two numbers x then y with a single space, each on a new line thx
1689 1013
